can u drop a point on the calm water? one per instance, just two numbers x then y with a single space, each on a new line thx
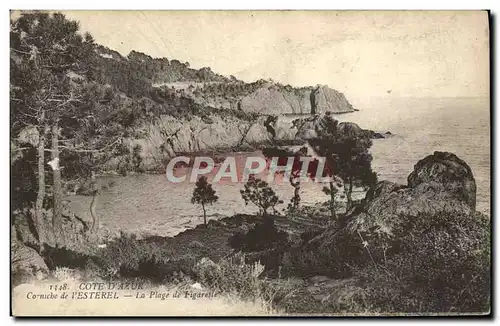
148 204
422 126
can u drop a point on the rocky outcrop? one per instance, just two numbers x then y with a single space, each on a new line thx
272 99
75 229
447 172
322 124
325 99
267 98
440 185
26 264
169 136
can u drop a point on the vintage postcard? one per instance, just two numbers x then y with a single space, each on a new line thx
250 163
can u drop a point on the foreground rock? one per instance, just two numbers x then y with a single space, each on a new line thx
441 185
406 243
27 265
75 233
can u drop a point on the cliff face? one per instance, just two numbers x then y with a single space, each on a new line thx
269 98
325 99
272 100
169 136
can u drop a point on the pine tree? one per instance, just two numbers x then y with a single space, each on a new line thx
45 48
204 194
348 157
260 194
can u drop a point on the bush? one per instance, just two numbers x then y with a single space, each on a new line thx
234 276
429 264
265 243
127 256
262 236
445 261
231 275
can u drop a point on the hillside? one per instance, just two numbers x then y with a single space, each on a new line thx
208 88
149 108
166 107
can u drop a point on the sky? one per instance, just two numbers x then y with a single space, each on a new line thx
360 53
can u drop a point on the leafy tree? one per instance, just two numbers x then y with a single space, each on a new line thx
260 194
347 157
204 194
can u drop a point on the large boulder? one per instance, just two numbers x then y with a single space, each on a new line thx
440 189
440 183
75 229
449 172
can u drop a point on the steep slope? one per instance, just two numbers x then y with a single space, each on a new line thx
169 107
138 72
163 107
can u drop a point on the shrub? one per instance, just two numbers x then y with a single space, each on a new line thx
430 263
262 236
127 256
445 261
260 194
233 275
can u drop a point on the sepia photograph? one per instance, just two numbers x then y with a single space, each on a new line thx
242 163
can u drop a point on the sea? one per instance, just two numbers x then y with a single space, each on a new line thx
150 205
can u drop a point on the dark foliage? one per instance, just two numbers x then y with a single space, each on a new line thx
262 236
430 263
259 193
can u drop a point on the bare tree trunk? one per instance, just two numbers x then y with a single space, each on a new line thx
57 191
93 213
332 202
204 214
348 194
41 189
296 191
